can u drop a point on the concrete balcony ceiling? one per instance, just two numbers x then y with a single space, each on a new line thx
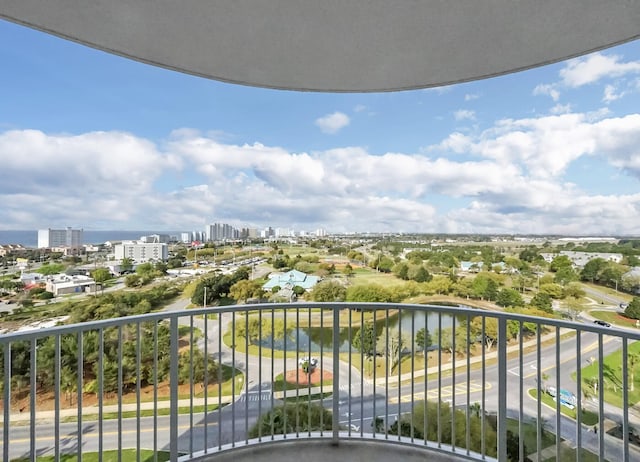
337 45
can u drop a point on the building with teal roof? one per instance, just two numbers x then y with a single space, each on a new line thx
291 279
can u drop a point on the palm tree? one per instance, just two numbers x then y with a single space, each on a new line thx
633 359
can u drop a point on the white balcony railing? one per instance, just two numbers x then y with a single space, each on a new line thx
482 388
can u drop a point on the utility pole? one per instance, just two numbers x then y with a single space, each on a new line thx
204 299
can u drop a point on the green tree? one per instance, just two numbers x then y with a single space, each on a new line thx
612 274
490 335
436 425
574 307
633 359
101 275
422 275
491 291
292 418
509 297
246 289
565 274
191 367
369 293
438 284
348 270
529 254
633 309
126 265
592 269
423 339
574 289
133 280
542 301
401 270
561 261
329 291
391 343
364 339
552 290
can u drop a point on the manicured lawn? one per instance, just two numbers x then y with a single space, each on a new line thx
370 276
608 291
613 317
588 418
107 456
148 412
612 371
568 454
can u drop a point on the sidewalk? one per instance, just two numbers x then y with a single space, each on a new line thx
113 409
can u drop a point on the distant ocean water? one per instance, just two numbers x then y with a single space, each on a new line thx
29 238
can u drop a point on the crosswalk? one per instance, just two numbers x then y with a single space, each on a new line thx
444 392
255 396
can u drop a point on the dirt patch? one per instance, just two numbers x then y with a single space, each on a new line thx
299 377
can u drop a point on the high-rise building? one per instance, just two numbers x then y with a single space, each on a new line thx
221 232
68 237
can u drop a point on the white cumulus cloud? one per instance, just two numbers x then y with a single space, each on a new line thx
547 89
590 69
333 123
464 114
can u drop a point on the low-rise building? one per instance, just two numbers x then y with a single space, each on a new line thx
579 259
63 284
291 279
471 266
15 249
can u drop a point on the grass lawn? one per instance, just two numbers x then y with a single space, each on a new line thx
370 276
588 418
530 433
608 291
146 455
568 454
612 371
548 439
613 317
147 412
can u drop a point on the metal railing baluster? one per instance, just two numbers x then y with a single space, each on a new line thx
32 400
502 389
79 385
335 346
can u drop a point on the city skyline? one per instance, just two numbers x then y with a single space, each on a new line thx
95 141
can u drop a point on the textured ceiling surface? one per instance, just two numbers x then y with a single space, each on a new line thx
337 45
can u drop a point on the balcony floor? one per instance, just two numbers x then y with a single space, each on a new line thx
315 450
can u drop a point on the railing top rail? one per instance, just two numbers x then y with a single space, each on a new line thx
461 310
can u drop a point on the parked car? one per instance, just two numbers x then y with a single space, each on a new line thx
602 323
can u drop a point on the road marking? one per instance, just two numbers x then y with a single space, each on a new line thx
255 396
445 392
111 433
593 346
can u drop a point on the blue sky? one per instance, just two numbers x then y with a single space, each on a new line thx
96 141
